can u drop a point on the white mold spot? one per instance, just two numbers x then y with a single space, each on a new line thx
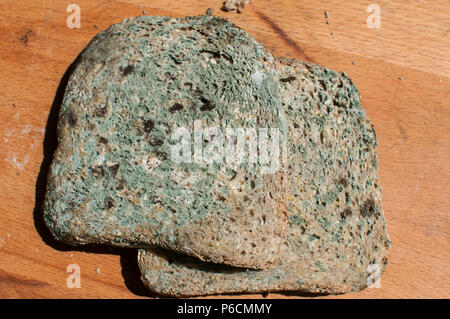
257 78
150 163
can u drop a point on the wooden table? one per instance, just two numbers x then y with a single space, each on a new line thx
402 70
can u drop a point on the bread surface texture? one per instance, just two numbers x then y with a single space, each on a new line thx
114 179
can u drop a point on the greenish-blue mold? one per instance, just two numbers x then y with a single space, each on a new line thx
113 180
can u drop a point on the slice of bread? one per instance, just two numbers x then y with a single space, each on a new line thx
115 179
337 239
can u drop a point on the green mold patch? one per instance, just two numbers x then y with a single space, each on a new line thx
135 84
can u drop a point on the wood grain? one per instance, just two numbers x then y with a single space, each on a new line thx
402 70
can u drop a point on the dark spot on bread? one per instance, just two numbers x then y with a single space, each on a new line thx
120 185
288 79
198 92
346 213
175 107
127 70
110 203
71 119
207 104
186 28
161 155
148 126
156 142
174 59
100 111
368 209
103 140
343 182
227 57
98 171
114 169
